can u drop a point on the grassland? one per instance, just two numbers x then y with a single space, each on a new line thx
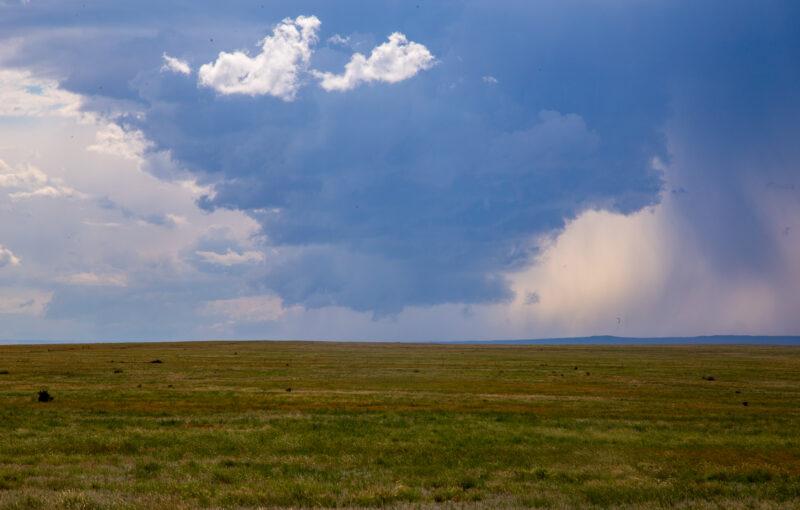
214 425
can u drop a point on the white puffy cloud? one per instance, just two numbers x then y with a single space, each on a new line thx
7 257
231 257
277 70
391 62
274 71
491 80
338 39
175 65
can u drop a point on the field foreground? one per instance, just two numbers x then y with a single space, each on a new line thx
290 424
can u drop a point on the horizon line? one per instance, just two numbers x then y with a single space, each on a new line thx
716 339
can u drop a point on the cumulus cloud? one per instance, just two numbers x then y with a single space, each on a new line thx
175 65
275 71
391 62
231 257
29 182
338 39
490 80
7 257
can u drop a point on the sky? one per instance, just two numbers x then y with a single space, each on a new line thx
392 170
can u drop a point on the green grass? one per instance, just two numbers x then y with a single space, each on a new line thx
399 426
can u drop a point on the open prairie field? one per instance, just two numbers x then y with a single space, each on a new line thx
291 424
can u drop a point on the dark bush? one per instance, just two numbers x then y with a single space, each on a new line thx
44 396
156 361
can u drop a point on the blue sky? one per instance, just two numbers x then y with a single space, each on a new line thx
394 170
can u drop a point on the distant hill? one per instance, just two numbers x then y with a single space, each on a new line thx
667 340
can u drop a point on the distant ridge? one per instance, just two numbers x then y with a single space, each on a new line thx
665 340
577 340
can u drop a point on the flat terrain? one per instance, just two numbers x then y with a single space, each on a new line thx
214 425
